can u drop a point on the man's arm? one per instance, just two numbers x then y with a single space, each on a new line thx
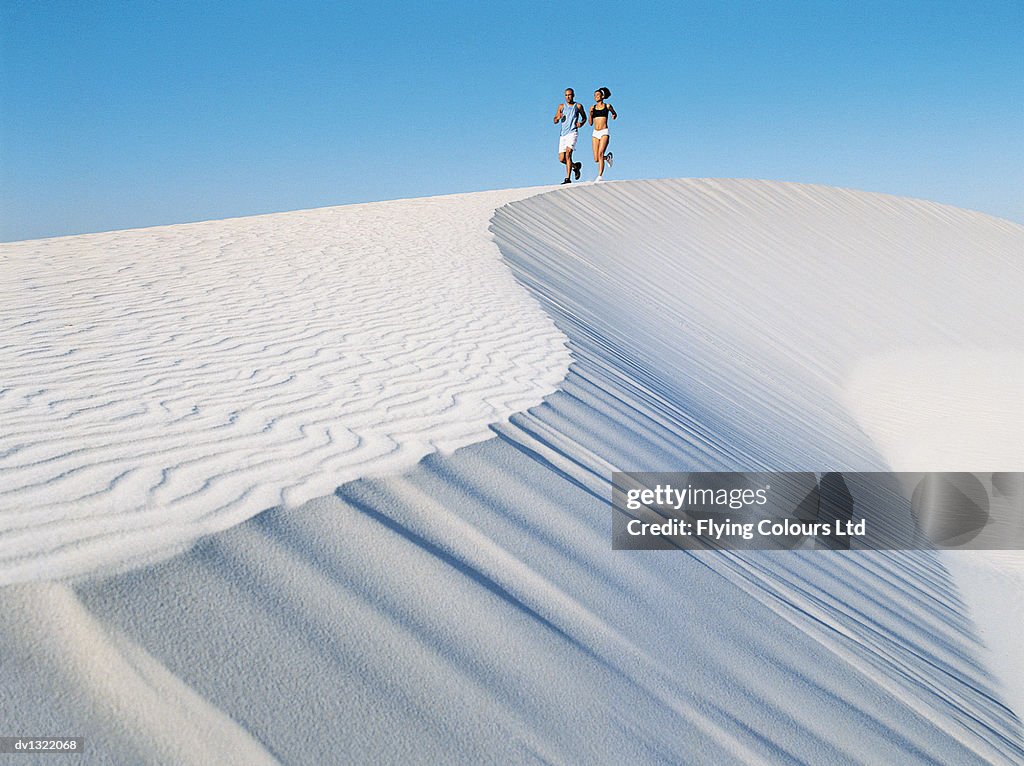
558 114
581 116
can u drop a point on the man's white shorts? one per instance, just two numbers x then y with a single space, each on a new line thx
568 141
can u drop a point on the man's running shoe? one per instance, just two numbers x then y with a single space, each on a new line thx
608 159
566 181
576 167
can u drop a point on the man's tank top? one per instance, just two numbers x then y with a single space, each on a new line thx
569 120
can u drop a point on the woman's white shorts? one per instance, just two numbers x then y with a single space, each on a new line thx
601 132
568 141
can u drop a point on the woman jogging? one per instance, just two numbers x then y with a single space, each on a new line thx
599 113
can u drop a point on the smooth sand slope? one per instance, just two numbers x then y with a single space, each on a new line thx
470 610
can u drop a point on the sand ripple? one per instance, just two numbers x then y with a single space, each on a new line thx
163 383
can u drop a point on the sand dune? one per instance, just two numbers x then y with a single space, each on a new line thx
164 383
469 609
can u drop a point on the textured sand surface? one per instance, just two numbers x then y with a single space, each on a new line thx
470 609
160 384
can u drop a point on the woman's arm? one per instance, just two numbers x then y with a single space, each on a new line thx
612 110
591 119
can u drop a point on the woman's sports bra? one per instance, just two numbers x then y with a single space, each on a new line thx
599 112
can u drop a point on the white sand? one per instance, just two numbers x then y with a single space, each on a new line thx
811 310
962 410
470 610
164 383
949 408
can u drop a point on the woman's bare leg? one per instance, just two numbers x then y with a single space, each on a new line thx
600 150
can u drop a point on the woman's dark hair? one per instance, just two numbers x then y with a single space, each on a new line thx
605 92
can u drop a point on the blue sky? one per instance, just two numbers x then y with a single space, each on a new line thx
126 114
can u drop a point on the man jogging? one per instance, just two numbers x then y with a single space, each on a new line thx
571 116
